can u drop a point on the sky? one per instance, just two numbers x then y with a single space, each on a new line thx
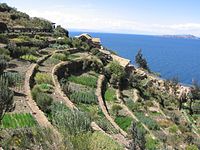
155 17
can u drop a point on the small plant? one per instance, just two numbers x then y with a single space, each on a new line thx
30 58
151 144
84 97
41 78
60 56
124 122
87 80
110 94
173 129
44 102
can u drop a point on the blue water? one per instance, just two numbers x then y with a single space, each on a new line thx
170 57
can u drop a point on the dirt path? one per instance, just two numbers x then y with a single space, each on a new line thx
103 107
131 113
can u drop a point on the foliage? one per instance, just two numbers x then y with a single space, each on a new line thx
150 123
138 136
71 122
191 147
4 7
30 58
45 88
100 141
59 31
110 94
35 91
44 102
84 97
14 78
43 78
6 97
173 129
124 122
116 69
151 144
18 120
141 61
134 107
3 64
32 138
87 80
60 56
115 109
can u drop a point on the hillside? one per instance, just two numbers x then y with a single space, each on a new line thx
59 92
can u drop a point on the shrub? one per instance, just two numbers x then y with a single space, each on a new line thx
100 141
84 80
35 91
150 123
115 109
124 122
134 107
44 102
84 97
30 58
60 56
46 88
151 144
191 147
110 94
71 122
173 129
41 78
3 64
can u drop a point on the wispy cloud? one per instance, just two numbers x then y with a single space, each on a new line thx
87 19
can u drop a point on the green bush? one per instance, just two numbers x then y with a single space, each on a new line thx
3 64
71 122
60 56
110 94
134 107
17 121
46 88
41 78
88 80
84 97
30 58
173 129
115 109
191 147
44 102
35 91
100 141
150 123
151 144
124 122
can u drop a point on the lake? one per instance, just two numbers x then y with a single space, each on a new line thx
171 57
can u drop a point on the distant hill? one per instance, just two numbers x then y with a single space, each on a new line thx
181 36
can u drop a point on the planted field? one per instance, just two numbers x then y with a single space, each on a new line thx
18 120
124 122
87 80
110 94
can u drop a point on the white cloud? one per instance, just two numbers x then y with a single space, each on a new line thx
86 18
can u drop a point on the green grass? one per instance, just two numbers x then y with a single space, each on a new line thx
73 56
149 122
30 58
87 80
18 121
110 94
124 122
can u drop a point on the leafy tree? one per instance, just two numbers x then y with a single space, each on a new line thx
6 97
141 61
138 137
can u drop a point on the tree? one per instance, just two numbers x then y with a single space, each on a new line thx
6 97
138 137
141 61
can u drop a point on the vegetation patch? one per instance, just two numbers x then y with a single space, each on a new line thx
124 122
18 121
30 58
150 123
87 80
41 78
110 94
84 97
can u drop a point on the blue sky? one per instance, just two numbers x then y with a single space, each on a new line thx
119 16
